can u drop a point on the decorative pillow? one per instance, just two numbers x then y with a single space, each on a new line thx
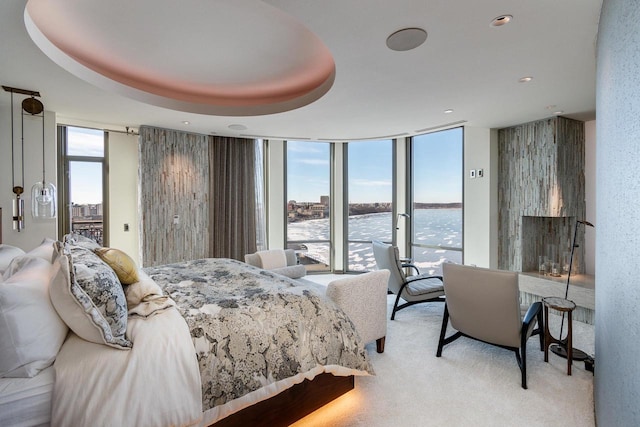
121 263
75 239
88 296
7 254
31 330
45 250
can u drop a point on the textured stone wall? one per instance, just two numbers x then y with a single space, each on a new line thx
174 182
540 174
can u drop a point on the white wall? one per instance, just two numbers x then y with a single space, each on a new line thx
590 197
481 197
617 323
35 230
275 195
122 153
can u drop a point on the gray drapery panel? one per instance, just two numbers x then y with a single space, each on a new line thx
232 210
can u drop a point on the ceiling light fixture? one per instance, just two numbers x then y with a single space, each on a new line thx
526 79
448 111
237 127
406 39
501 20
557 113
186 122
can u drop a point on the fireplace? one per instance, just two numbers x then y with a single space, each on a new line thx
541 193
547 241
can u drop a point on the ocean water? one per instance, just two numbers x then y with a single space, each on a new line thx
436 227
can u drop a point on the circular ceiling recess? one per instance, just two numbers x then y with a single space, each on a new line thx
406 39
229 57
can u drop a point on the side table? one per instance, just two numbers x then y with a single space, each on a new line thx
564 306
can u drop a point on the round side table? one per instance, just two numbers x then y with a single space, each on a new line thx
564 306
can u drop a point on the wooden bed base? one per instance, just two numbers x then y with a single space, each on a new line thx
292 404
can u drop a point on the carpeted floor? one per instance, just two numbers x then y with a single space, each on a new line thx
472 384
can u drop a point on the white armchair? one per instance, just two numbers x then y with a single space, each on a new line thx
363 298
280 261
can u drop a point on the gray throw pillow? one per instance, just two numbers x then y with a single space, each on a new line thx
89 298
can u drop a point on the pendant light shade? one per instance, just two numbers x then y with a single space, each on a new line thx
43 200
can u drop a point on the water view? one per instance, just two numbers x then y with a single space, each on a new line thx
434 227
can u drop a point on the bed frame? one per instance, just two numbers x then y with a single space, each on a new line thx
292 404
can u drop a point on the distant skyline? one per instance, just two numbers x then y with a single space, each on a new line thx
438 170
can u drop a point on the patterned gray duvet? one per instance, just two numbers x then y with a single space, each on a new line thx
252 328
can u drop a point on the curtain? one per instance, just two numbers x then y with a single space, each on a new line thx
232 186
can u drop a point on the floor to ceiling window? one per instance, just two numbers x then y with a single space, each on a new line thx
83 188
370 200
308 190
437 185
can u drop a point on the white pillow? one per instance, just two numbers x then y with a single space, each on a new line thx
31 330
7 254
44 250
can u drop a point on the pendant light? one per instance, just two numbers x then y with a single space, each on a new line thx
43 193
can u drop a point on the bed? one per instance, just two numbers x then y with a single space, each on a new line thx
206 342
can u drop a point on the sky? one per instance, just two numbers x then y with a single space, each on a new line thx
86 177
437 158
438 169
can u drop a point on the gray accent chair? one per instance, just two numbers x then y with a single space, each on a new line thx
363 298
413 289
484 304
292 270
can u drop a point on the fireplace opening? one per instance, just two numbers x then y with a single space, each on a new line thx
546 245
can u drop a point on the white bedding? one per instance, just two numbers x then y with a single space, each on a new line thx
26 401
156 383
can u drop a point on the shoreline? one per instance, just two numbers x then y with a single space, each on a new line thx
372 210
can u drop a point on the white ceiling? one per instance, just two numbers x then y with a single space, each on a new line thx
465 65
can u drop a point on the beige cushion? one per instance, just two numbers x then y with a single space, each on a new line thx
273 258
124 267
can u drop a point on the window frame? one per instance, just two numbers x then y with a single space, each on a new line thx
330 240
64 161
410 244
345 191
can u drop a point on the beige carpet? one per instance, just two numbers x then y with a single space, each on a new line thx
472 384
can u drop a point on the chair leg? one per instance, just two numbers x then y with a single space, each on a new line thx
380 345
541 329
443 330
521 357
395 306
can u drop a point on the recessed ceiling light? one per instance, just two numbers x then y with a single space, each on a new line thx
557 113
237 127
448 111
501 20
526 79
186 122
406 39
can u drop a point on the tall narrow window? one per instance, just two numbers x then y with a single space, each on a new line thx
83 190
370 189
309 203
437 199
